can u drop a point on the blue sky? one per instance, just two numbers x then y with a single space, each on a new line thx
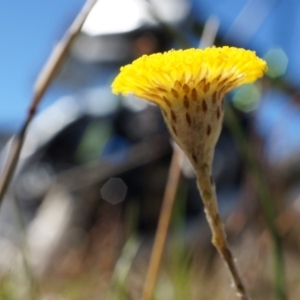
29 30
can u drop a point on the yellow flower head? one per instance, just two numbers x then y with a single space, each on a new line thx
189 86
200 72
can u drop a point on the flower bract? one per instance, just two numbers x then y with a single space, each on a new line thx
189 86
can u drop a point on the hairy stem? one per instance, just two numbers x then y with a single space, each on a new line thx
207 189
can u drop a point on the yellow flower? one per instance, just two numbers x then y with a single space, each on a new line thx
189 85
175 73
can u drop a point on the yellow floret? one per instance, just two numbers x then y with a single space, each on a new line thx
207 71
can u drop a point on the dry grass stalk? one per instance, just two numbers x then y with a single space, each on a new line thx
163 224
42 83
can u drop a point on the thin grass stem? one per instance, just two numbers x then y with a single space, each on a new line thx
42 83
163 223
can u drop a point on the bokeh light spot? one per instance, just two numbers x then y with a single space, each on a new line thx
246 98
114 190
277 62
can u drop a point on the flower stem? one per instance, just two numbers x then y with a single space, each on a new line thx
207 189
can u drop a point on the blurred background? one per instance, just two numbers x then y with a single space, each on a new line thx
79 219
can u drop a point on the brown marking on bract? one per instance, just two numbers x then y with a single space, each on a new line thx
194 94
208 131
221 92
211 180
174 130
177 85
202 83
218 113
186 101
221 83
167 101
160 89
186 88
173 116
206 87
198 108
154 96
174 93
204 105
214 97
231 82
223 89
194 157
188 119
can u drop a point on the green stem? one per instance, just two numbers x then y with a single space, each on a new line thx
268 207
